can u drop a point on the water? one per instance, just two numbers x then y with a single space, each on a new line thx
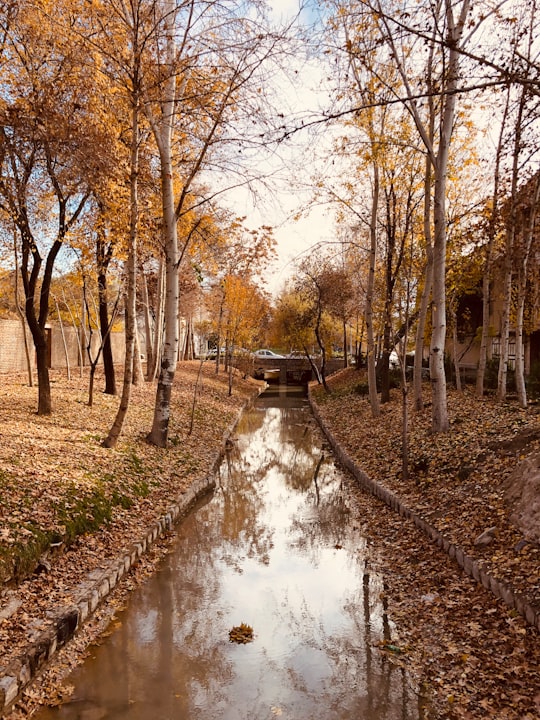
276 547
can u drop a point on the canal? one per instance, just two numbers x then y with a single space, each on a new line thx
278 547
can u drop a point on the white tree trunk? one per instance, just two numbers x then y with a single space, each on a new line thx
454 34
439 415
486 280
522 291
371 368
157 338
509 252
520 356
505 317
163 131
147 327
418 401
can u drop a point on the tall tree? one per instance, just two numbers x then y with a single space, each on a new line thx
53 144
199 82
451 19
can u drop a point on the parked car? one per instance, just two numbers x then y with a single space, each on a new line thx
212 353
265 354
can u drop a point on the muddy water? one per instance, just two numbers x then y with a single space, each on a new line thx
277 547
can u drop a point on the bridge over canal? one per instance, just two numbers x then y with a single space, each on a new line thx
291 371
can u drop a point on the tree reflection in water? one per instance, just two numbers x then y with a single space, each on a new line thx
278 547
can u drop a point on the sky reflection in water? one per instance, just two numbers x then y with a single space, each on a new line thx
276 547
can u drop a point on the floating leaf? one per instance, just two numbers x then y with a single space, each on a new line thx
241 634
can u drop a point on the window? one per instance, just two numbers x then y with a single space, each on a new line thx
496 350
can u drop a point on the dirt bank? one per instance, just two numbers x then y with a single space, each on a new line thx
70 507
473 655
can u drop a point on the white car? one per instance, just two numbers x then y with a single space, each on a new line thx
265 354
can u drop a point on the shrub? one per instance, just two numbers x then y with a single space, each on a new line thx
533 381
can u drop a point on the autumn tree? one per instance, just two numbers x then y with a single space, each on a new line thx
324 289
204 59
53 143
291 321
228 248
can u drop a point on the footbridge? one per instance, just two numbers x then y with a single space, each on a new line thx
291 371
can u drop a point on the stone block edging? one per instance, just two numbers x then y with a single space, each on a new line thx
502 590
20 673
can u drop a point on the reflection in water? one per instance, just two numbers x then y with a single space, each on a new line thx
275 547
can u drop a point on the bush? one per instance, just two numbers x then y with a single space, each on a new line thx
533 381
362 388
492 374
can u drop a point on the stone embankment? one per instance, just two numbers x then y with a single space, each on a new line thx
59 625
472 567
88 596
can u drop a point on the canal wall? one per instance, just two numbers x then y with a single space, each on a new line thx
20 673
502 590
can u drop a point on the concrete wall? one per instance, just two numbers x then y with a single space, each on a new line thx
13 358
12 355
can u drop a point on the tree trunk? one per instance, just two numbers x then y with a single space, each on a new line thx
418 401
93 367
160 426
163 131
131 297
80 351
484 337
439 416
505 317
64 343
520 355
157 342
83 333
371 368
138 374
454 34
486 279
522 292
105 329
21 314
322 348
147 328
44 384
219 331
509 252
405 396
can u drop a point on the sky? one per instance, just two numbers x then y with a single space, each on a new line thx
290 187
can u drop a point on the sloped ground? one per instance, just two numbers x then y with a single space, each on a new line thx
57 485
471 654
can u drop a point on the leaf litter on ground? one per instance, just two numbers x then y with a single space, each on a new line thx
469 653
54 473
465 651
